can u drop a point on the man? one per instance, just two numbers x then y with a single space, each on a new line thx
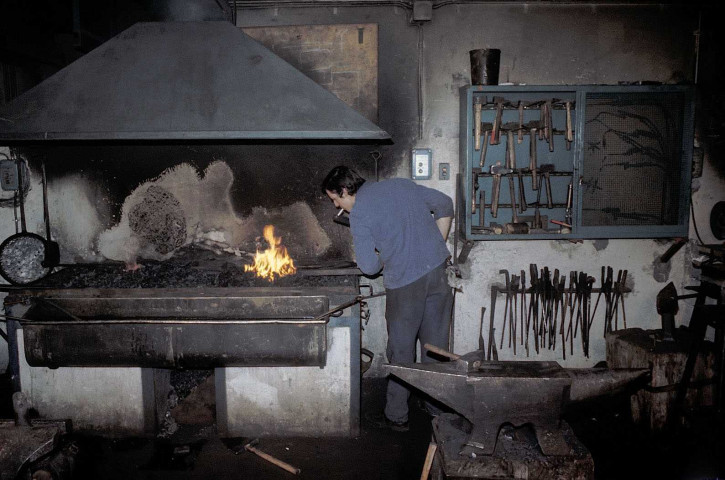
402 228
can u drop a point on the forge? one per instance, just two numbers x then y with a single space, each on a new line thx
97 344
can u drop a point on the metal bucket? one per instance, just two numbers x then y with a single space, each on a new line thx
484 66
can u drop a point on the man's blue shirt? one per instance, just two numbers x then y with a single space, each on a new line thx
394 217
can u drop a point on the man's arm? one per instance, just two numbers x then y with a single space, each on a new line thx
444 225
441 206
368 261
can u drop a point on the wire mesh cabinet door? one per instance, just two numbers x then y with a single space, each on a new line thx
635 161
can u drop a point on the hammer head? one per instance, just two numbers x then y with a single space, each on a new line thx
667 300
500 170
546 168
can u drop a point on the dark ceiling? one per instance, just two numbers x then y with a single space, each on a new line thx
41 37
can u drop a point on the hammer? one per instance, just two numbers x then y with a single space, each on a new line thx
250 447
533 126
486 127
497 170
496 131
545 170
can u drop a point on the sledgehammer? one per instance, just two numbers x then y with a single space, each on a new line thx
250 447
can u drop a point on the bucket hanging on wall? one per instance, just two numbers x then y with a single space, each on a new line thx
484 66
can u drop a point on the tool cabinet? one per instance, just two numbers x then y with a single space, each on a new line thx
575 161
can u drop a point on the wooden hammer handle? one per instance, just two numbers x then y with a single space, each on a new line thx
477 126
440 351
430 454
275 461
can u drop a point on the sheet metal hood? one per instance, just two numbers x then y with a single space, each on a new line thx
182 81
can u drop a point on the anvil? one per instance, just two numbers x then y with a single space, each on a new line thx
489 394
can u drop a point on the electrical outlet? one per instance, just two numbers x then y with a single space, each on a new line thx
421 163
444 171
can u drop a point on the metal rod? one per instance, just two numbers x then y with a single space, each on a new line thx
46 215
18 164
190 321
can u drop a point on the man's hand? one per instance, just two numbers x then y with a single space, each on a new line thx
444 225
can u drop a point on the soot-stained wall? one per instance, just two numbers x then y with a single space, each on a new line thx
153 199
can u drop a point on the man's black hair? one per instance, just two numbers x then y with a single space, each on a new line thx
342 177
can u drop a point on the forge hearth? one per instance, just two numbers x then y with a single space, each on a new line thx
97 345
194 268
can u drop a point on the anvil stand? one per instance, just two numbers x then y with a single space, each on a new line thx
517 454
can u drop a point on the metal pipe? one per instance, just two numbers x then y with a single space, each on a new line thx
420 81
602 3
243 5
19 166
145 321
186 321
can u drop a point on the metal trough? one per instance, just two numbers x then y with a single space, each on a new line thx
176 328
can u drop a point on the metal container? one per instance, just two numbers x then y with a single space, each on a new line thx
176 328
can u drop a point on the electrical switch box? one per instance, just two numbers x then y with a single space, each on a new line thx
421 163
8 175
444 171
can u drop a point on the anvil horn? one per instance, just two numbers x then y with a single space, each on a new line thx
439 380
592 382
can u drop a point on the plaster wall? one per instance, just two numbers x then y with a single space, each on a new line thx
541 44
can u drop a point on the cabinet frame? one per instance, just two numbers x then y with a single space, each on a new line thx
469 162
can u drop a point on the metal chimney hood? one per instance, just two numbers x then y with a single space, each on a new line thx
181 81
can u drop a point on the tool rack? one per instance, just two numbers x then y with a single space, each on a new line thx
547 162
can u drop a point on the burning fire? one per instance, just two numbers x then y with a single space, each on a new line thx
272 261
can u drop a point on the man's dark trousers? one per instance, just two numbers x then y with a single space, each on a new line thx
420 310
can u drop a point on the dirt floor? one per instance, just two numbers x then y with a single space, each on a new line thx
620 449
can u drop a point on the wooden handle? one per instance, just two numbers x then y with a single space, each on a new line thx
532 161
496 130
520 138
440 351
512 193
550 124
495 195
563 224
569 133
477 126
275 461
428 461
511 150
484 147
549 201
482 209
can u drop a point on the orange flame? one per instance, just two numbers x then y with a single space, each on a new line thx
272 261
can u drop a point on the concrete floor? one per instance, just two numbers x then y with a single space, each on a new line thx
619 448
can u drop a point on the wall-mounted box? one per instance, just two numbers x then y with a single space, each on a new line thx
605 161
421 163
